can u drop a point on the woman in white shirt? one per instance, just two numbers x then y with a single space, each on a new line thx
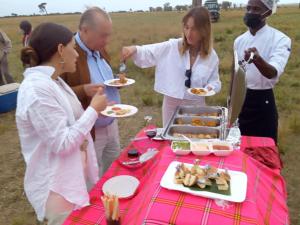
271 50
181 63
53 128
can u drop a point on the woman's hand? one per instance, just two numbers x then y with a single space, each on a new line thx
127 52
99 101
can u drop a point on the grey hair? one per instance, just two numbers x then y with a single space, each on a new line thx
88 16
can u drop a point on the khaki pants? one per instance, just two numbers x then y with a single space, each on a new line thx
5 76
107 145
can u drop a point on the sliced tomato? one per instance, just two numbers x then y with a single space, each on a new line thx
115 108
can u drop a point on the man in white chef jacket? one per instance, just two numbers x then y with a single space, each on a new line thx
270 49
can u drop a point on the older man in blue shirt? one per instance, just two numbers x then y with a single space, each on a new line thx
92 70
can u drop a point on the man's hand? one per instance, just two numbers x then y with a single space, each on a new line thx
248 54
263 66
91 89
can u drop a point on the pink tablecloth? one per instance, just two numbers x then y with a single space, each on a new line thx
265 200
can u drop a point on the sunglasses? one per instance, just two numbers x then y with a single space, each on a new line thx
188 74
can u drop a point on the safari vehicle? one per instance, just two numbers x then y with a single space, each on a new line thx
213 8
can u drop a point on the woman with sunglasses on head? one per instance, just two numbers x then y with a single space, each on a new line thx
181 63
54 129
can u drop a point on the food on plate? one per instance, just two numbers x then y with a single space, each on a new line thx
197 122
122 78
121 81
199 91
118 111
199 136
220 147
122 112
202 177
181 145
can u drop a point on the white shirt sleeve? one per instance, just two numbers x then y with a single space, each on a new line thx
280 54
214 80
149 55
51 123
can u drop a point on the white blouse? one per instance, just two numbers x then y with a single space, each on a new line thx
273 46
50 139
171 67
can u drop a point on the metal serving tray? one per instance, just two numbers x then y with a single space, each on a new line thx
195 133
203 111
197 121
186 114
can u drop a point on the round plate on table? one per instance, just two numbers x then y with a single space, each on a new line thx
115 83
119 110
123 186
202 92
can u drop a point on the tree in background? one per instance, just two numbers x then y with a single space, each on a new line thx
197 3
42 7
226 5
158 9
167 7
181 7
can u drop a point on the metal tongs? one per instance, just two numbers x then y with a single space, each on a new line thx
122 67
243 62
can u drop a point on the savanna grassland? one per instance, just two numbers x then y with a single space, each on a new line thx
143 28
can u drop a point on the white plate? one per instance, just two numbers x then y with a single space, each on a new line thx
238 185
208 93
109 82
123 186
106 112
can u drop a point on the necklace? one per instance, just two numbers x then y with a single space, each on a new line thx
194 53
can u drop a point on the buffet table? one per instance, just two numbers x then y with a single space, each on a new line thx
265 201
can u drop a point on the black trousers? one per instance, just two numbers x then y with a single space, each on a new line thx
259 116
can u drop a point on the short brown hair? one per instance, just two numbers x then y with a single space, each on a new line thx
88 16
203 25
43 43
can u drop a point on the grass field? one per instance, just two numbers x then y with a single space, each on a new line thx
143 28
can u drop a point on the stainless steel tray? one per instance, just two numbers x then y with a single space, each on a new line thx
197 121
186 114
203 111
175 131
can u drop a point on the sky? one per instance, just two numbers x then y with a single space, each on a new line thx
27 7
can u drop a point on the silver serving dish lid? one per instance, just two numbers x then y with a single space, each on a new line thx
237 92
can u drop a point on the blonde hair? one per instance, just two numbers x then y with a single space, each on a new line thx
203 25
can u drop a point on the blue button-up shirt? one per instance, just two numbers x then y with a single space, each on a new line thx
100 71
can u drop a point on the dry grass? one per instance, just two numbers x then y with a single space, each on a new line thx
143 28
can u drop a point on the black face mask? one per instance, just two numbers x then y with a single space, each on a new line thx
253 20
